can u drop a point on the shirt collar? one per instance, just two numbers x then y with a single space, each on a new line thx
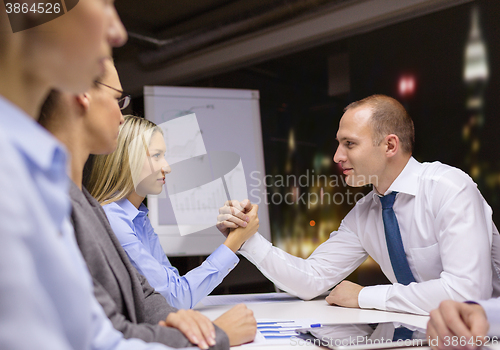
130 209
407 180
33 140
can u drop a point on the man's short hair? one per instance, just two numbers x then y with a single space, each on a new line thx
388 117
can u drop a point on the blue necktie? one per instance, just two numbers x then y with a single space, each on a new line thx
394 242
402 333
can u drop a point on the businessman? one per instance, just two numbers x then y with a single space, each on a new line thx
425 224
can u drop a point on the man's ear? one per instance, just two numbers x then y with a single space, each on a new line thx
392 145
83 102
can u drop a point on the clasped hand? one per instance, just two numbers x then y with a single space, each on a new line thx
238 221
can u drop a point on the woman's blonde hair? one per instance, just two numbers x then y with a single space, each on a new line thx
112 175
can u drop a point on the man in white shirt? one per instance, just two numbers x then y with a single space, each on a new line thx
433 239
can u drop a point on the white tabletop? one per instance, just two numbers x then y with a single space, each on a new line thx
317 310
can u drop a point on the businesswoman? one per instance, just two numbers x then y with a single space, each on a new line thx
89 124
139 159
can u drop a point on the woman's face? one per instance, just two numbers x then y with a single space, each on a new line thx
69 52
155 167
104 117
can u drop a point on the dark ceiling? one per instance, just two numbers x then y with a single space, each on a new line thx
174 28
177 42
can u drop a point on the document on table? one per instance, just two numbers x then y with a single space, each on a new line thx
231 299
278 331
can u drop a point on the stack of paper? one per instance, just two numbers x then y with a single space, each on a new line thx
278 331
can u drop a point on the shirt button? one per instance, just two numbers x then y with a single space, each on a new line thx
254 252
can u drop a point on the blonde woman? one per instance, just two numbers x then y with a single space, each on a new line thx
121 181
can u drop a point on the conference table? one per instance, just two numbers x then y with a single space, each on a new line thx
281 306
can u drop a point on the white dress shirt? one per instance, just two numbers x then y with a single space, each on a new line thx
447 232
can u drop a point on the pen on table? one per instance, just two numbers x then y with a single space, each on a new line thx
305 330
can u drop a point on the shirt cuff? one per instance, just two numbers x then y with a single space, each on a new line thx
223 259
373 297
256 248
492 310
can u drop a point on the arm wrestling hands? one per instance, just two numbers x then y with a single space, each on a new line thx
233 215
238 323
238 221
457 325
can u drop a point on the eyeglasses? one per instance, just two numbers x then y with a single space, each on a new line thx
123 101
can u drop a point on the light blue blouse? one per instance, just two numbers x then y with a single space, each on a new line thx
141 243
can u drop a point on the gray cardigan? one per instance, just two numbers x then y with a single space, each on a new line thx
132 305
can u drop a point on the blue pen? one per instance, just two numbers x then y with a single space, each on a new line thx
306 330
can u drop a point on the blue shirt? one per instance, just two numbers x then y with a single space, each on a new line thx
141 243
46 294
